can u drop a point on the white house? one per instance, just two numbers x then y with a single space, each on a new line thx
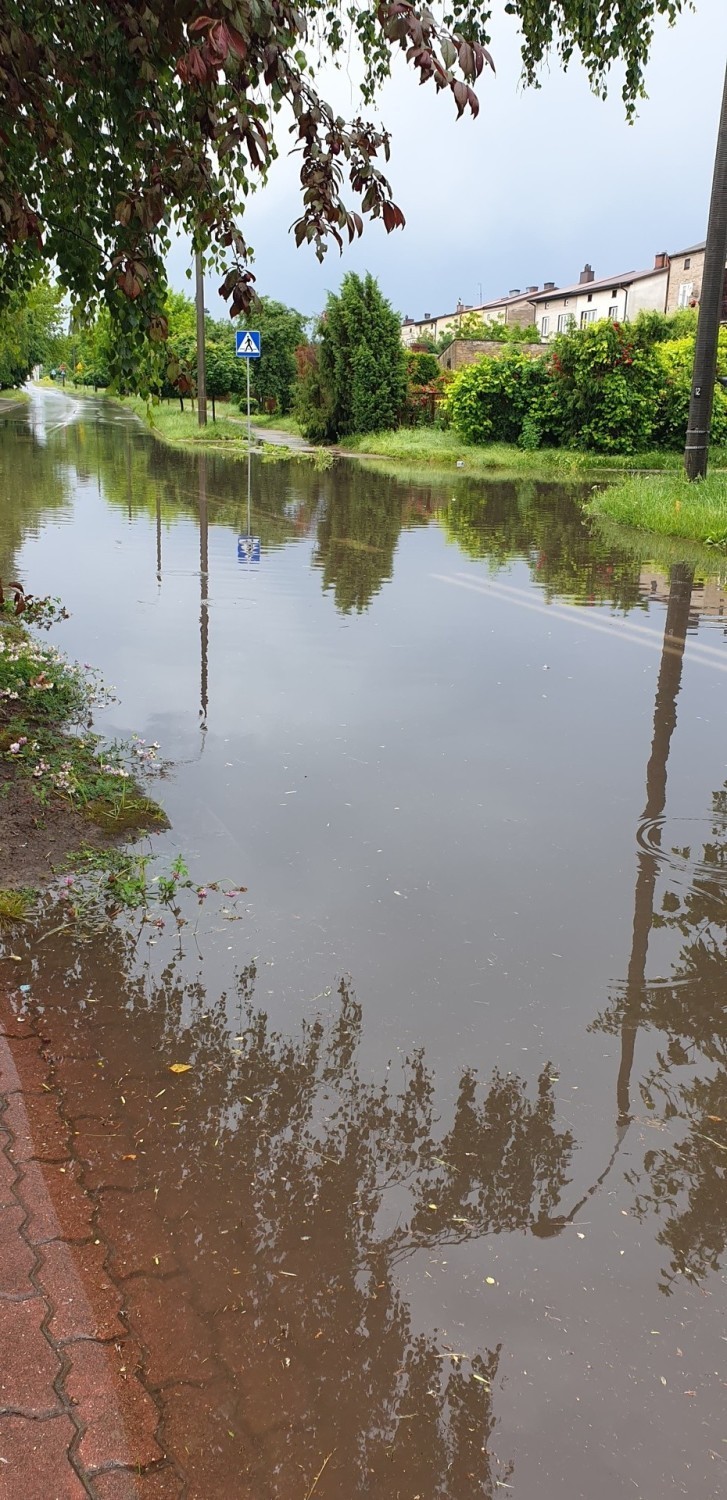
616 297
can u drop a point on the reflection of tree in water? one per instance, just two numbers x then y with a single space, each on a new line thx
544 524
358 532
292 1161
34 482
686 1181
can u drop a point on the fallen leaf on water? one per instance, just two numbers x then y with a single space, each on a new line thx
718 1119
490 1281
180 1067
130 1156
433 1207
481 1378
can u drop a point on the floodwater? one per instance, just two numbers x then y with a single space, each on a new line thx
440 1209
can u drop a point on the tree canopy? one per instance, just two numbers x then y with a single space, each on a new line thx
122 122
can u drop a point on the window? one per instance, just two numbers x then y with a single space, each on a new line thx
613 312
565 301
614 291
588 316
544 326
687 263
565 321
590 296
685 291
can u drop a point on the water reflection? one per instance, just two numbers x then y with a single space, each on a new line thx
375 1263
311 1182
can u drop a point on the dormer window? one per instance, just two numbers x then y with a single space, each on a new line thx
687 263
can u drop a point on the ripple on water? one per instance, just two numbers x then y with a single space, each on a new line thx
692 848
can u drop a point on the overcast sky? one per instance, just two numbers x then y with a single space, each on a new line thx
540 183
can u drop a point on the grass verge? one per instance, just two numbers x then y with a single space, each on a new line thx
668 505
57 778
443 448
181 429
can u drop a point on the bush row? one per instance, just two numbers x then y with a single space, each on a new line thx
605 388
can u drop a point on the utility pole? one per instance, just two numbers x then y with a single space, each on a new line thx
201 371
710 309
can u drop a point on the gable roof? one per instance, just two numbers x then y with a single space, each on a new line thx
624 279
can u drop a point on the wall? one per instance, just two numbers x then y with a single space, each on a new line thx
681 275
468 351
648 294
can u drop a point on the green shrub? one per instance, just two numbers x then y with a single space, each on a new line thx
605 389
676 363
421 368
489 402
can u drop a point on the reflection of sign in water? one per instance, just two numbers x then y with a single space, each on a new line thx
248 548
247 344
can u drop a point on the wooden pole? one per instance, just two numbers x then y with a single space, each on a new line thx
201 370
710 311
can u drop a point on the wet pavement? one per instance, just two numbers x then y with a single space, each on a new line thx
439 1209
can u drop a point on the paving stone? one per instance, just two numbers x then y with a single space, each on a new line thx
201 1432
110 1157
22 1066
9 1080
37 1466
12 1024
120 1484
138 1237
16 1257
36 1127
119 1416
178 1342
9 1173
58 1207
28 1365
84 1301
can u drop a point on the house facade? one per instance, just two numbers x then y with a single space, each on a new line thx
589 299
515 308
674 281
686 268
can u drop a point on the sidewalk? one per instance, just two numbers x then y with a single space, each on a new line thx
75 1416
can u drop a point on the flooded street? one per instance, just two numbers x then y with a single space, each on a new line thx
439 1210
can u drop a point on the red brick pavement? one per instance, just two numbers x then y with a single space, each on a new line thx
77 1417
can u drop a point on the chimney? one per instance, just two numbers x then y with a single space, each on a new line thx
427 316
531 288
548 286
586 275
514 291
661 261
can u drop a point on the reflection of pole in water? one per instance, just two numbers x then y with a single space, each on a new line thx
203 590
681 580
159 537
128 472
249 521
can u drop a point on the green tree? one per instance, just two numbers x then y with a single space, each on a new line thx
273 376
222 368
121 121
30 331
361 370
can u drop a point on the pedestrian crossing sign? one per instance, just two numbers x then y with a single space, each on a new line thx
247 344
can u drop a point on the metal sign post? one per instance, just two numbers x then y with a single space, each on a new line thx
247 347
